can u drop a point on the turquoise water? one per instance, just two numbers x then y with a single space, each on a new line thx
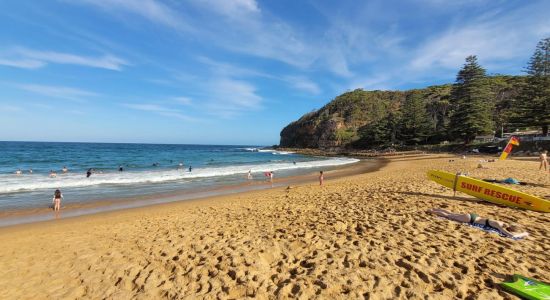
147 169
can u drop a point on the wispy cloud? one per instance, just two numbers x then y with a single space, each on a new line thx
494 37
31 59
7 108
160 110
62 92
303 84
229 98
22 63
151 10
232 9
183 100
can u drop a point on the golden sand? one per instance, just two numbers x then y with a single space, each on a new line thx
365 236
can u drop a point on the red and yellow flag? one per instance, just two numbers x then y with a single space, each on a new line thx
514 141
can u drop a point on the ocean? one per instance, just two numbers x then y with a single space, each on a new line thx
148 169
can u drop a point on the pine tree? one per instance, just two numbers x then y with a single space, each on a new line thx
415 124
533 104
471 102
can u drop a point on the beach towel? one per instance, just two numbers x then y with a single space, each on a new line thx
491 230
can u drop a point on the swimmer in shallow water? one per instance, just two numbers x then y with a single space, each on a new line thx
18 172
56 201
53 174
65 170
89 172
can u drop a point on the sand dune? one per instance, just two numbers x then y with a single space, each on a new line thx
364 236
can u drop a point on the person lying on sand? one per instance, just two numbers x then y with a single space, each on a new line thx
513 231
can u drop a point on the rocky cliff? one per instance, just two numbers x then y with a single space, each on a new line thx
367 119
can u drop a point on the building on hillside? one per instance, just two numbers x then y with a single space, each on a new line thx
484 138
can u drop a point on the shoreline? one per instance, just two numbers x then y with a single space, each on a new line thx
31 215
358 236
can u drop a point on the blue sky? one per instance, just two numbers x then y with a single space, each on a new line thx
233 72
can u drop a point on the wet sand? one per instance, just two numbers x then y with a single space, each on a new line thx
361 236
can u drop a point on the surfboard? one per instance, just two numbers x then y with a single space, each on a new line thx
527 288
489 192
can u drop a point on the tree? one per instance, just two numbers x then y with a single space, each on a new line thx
471 102
533 104
415 124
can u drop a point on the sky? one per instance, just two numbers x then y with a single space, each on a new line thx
233 72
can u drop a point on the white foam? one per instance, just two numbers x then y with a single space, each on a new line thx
10 183
276 152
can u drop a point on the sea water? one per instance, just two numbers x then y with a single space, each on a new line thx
147 169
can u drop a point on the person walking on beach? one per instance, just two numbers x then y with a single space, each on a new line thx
271 176
321 178
56 201
544 160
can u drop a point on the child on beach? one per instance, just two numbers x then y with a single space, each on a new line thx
509 230
321 178
57 196
543 160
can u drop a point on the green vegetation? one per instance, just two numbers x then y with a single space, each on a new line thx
475 105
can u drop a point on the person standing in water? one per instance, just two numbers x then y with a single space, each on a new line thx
249 175
543 160
120 168
65 170
89 173
53 174
56 201
18 172
30 171
321 178
190 168
271 176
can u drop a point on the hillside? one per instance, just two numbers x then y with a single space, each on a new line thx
368 119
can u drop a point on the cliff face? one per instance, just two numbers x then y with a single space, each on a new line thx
366 119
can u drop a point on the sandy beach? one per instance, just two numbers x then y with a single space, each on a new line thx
364 236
